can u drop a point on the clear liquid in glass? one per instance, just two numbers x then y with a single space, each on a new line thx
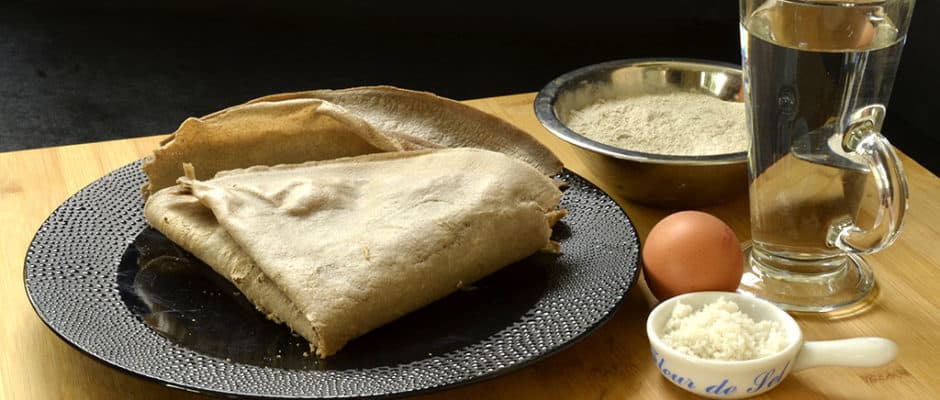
809 66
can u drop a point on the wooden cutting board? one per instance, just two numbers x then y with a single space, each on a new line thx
612 363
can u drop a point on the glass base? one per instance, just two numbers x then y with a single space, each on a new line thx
844 288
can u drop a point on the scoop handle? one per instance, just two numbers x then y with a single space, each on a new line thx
855 352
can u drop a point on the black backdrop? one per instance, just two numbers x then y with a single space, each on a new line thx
94 70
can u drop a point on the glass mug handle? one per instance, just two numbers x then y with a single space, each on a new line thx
863 139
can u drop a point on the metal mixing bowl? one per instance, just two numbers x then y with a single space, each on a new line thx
658 180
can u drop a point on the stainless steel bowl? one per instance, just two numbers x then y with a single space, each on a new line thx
658 180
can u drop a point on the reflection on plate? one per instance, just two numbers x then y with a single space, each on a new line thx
124 294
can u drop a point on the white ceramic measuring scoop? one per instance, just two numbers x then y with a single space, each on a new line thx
740 379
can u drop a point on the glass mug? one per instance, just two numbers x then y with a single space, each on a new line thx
817 75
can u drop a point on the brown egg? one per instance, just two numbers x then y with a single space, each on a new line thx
691 251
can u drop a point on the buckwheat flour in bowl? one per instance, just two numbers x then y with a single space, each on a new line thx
667 133
690 124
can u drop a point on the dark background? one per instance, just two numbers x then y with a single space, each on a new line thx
95 70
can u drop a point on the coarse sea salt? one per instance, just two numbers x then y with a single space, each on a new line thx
720 331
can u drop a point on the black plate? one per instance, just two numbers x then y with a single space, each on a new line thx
124 294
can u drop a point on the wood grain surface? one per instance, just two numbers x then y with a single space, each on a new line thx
612 363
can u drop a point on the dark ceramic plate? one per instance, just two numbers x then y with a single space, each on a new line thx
124 294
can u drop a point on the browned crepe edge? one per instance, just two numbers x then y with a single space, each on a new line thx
541 157
211 146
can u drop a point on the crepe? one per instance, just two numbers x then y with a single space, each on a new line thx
435 119
328 124
337 248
